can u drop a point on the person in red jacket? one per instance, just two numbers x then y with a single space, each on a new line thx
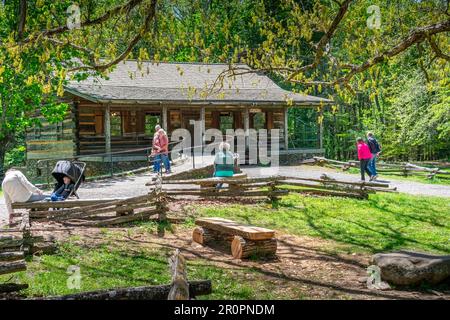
364 156
160 150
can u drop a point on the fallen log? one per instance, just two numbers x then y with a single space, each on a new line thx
12 287
161 292
11 267
11 256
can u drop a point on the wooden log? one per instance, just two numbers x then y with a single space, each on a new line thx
231 227
117 220
87 211
54 215
7 242
332 193
286 180
11 267
12 287
46 247
161 292
63 204
205 236
179 287
243 248
11 256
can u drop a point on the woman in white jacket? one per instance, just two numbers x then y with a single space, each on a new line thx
17 188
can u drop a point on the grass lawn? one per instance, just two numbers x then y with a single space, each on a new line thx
384 222
111 265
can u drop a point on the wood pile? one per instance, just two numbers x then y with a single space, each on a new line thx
402 169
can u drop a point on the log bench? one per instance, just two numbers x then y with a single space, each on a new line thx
244 241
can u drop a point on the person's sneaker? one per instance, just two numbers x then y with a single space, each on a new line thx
375 177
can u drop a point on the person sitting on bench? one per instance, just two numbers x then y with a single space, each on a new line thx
17 189
223 163
64 191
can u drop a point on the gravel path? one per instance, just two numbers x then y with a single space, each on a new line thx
135 185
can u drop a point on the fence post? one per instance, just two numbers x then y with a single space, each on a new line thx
111 168
48 173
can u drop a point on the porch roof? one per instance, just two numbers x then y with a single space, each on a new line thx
190 83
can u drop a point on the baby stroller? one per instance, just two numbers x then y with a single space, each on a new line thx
72 169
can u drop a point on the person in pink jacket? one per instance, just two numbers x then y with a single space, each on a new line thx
364 156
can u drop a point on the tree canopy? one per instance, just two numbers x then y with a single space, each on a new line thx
386 64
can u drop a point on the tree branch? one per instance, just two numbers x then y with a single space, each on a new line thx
416 36
437 50
106 16
320 46
22 18
102 67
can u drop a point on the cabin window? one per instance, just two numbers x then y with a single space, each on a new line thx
259 120
116 124
226 121
174 120
151 120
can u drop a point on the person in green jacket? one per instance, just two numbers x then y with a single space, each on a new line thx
223 162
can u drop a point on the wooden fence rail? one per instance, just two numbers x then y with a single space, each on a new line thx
403 169
271 188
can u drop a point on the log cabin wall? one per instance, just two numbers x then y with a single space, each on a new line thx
128 128
53 140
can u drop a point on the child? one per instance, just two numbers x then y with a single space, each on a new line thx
364 156
64 191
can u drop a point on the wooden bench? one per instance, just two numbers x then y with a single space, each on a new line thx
243 240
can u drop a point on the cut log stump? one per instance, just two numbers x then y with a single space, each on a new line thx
205 236
243 248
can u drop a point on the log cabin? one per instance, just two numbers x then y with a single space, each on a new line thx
119 112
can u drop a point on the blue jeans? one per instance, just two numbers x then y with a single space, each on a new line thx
161 158
372 164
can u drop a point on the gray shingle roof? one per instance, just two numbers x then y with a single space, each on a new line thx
184 83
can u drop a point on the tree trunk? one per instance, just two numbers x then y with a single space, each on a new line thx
2 161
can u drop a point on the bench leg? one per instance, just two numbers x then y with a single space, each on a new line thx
243 248
205 236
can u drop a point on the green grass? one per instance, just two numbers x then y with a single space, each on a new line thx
385 222
122 265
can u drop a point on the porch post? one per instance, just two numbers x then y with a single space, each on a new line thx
107 126
164 118
321 135
246 125
203 120
286 129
